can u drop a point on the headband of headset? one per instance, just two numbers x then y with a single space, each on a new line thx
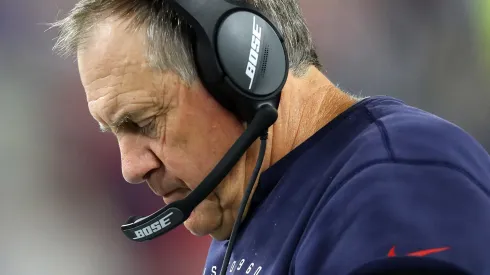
239 54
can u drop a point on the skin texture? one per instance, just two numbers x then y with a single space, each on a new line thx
174 133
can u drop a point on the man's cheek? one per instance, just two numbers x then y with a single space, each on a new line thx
173 158
182 167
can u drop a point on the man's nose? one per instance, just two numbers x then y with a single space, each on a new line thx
137 160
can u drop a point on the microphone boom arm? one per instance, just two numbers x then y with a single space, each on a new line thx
174 214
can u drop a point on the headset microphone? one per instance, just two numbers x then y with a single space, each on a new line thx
174 214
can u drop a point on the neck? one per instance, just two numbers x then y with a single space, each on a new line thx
308 103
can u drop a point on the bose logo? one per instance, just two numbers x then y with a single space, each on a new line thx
153 228
254 52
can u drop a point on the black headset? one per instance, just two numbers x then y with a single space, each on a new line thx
239 53
242 61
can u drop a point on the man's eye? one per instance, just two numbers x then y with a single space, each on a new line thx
127 126
147 127
145 123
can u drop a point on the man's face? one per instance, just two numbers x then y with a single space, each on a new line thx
170 135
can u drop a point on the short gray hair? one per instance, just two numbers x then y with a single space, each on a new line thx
168 46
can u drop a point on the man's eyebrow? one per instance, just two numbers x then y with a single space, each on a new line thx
125 117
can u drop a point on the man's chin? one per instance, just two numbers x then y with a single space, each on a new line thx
217 233
201 225
220 235
196 230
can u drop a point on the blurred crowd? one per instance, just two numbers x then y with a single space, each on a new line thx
63 198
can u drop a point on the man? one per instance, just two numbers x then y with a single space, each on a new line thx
348 186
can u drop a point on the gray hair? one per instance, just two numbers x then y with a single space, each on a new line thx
168 46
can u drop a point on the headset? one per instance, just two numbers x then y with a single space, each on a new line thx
242 61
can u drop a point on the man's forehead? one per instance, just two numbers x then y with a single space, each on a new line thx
115 73
117 106
111 50
118 80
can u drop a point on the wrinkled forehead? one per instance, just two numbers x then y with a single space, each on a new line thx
110 52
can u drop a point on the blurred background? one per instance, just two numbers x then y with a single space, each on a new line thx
62 197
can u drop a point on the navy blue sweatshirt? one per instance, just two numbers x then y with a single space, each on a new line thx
384 186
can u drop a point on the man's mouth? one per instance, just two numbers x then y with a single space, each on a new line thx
175 195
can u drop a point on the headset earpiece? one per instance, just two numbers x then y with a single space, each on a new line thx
239 54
